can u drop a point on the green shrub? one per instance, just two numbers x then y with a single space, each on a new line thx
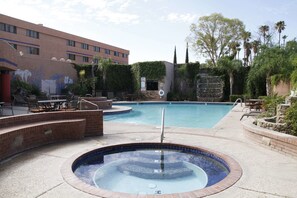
119 78
270 103
291 119
26 88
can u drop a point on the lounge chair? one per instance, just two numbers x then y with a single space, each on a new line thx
6 105
251 113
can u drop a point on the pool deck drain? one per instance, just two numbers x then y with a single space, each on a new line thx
266 173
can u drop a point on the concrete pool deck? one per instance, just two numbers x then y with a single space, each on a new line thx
266 173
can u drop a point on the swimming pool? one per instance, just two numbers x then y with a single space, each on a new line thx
189 115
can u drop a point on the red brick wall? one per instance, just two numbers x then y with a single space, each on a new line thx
15 141
19 133
94 119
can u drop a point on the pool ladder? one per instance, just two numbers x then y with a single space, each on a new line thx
236 101
162 125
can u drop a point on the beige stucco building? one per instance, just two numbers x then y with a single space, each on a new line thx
43 56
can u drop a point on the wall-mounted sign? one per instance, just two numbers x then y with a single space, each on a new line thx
143 84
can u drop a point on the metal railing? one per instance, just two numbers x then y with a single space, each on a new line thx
86 101
162 125
236 101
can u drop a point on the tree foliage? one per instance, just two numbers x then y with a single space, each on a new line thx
291 119
154 70
212 35
119 78
230 66
274 64
280 26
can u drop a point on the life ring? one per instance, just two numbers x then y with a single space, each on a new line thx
161 92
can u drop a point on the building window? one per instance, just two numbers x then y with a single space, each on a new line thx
96 60
33 50
116 53
33 34
85 59
151 85
107 51
123 55
71 56
8 28
71 43
96 49
85 46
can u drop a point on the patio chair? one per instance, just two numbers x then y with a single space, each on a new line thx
251 113
72 103
6 106
19 99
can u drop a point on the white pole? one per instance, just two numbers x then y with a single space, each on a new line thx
162 124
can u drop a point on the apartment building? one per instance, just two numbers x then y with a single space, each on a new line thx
44 56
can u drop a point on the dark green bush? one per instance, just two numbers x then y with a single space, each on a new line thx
291 119
270 103
119 78
26 88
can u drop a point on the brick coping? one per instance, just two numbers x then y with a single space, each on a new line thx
234 175
281 142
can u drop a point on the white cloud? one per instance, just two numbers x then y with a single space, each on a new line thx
110 11
116 17
184 18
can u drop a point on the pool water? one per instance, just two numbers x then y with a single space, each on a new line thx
193 115
151 170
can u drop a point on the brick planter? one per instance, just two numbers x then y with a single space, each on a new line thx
23 132
283 143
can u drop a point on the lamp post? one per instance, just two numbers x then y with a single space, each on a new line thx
93 79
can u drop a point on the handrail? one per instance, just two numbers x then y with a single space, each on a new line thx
91 103
162 125
236 101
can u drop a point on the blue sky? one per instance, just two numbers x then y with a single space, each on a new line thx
149 28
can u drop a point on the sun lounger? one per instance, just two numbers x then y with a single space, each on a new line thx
251 113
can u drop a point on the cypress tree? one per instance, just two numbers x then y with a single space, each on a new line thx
174 57
187 55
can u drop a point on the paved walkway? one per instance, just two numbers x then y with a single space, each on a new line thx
266 173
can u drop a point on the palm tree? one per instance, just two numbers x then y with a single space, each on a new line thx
230 66
264 29
233 47
255 46
280 26
284 39
102 66
247 52
238 50
246 36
